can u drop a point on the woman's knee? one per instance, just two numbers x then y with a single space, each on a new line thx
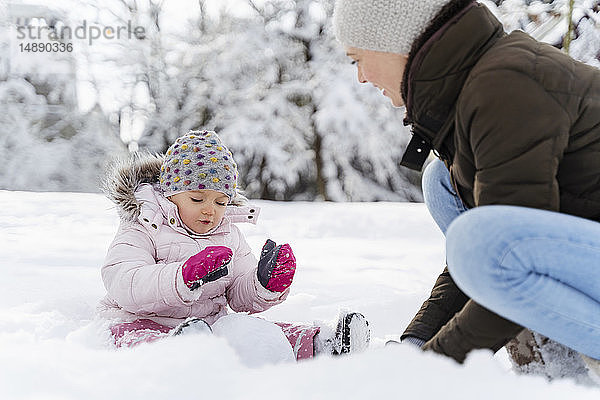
475 243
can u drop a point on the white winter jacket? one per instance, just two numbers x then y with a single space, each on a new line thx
142 270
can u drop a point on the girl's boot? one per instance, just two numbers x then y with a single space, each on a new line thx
350 335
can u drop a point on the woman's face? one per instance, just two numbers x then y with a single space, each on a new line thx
201 210
383 70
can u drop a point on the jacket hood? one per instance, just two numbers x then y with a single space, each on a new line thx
125 176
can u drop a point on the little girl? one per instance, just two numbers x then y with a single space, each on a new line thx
178 259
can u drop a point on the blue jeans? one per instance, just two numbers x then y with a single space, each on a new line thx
538 268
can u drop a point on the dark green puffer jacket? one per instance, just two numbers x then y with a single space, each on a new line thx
518 123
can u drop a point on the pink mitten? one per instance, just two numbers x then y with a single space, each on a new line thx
276 266
208 265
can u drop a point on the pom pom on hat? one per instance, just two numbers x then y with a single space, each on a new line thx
198 160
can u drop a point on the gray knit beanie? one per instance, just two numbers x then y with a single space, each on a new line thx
383 25
198 160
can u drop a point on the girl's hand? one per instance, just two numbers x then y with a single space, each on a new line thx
276 266
208 265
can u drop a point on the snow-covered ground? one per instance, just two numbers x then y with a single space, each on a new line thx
377 258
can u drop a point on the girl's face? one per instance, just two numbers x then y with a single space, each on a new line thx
385 71
201 210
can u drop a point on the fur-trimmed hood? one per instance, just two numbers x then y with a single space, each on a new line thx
124 177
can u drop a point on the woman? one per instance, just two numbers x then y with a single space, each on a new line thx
516 190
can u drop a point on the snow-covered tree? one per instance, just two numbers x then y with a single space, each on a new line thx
46 143
548 21
273 82
280 91
49 148
288 105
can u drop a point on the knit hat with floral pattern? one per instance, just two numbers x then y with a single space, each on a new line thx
198 160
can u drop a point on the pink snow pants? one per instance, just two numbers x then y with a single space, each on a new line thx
129 334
